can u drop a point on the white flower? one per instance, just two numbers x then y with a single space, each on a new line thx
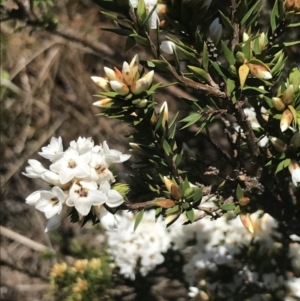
84 195
54 150
193 291
82 145
263 141
112 155
149 6
35 170
33 198
251 116
51 202
55 221
294 169
167 47
108 221
114 197
72 165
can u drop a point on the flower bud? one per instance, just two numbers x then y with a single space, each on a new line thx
278 144
289 4
261 41
259 71
139 86
246 220
126 73
278 104
244 201
164 108
294 169
288 95
118 87
245 37
149 78
165 203
173 188
286 120
240 57
142 103
168 47
134 66
101 82
110 73
295 140
101 103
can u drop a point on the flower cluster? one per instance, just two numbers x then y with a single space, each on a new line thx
219 246
145 245
79 178
123 82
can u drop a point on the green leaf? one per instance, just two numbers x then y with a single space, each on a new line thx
283 164
226 21
248 14
205 59
141 11
197 194
149 15
294 24
253 91
287 44
191 119
228 207
239 192
230 86
173 210
217 67
138 219
130 43
167 147
200 73
158 212
228 54
190 215
274 15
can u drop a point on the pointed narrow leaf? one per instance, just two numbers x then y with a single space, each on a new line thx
239 192
190 215
138 219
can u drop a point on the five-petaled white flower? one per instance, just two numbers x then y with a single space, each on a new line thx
51 202
72 165
54 150
84 195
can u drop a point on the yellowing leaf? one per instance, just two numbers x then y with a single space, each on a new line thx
243 74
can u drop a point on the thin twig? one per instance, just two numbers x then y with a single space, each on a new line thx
24 240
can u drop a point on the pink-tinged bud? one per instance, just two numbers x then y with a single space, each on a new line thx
134 66
101 82
118 87
246 220
102 102
126 72
278 104
110 73
149 78
164 108
139 86
244 201
286 120
118 74
259 71
161 9
289 4
165 203
168 183
294 169
288 95
278 144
